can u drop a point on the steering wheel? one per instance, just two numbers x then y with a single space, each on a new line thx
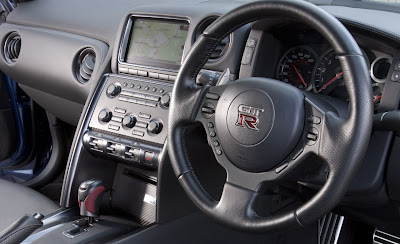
261 129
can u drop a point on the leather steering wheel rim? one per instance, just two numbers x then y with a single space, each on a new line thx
343 141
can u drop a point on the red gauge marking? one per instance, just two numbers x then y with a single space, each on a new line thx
376 98
331 81
301 77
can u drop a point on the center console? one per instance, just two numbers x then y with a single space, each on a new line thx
122 133
130 116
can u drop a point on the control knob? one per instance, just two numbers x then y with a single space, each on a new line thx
105 115
113 89
165 99
129 121
155 126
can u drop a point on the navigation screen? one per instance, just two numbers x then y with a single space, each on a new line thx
155 42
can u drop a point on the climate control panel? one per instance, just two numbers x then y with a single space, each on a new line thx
133 108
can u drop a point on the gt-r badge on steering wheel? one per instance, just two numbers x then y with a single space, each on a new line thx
248 116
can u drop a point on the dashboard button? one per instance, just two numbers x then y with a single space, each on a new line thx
133 71
163 76
152 98
113 127
105 115
141 124
396 76
155 127
113 90
120 110
125 99
129 121
151 104
142 73
144 116
397 65
138 133
117 119
123 70
153 75
148 157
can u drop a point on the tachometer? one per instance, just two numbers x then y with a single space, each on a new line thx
328 74
296 67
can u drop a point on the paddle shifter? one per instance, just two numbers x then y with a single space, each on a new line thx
90 194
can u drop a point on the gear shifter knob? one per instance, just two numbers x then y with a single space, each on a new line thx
90 194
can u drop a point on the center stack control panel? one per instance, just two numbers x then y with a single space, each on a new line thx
130 120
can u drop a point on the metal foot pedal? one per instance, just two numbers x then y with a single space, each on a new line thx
329 228
381 237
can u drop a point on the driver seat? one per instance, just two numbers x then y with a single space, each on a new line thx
17 200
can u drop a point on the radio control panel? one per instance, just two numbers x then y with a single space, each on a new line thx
133 108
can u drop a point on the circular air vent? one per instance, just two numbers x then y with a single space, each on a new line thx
12 47
222 47
85 65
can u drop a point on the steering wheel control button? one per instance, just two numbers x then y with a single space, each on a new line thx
213 134
396 76
216 143
397 65
218 151
247 55
113 90
155 127
314 119
297 153
207 110
113 127
312 136
282 167
251 42
138 133
129 121
210 125
105 115
259 119
212 96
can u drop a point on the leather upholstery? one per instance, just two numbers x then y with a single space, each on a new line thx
17 200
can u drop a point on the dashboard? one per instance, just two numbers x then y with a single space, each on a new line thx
110 72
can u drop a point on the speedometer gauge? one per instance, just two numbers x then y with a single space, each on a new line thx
296 67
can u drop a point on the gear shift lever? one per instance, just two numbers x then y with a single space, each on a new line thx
90 194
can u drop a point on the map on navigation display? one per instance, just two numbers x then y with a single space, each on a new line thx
162 41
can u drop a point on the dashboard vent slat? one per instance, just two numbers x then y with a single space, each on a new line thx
85 65
12 47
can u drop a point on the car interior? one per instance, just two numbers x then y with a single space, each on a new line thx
200 121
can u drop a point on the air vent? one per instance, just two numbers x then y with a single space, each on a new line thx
85 65
222 47
12 47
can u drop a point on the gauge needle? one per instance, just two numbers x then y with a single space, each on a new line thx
331 81
376 98
301 77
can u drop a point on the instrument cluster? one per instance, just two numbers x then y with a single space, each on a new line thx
305 68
